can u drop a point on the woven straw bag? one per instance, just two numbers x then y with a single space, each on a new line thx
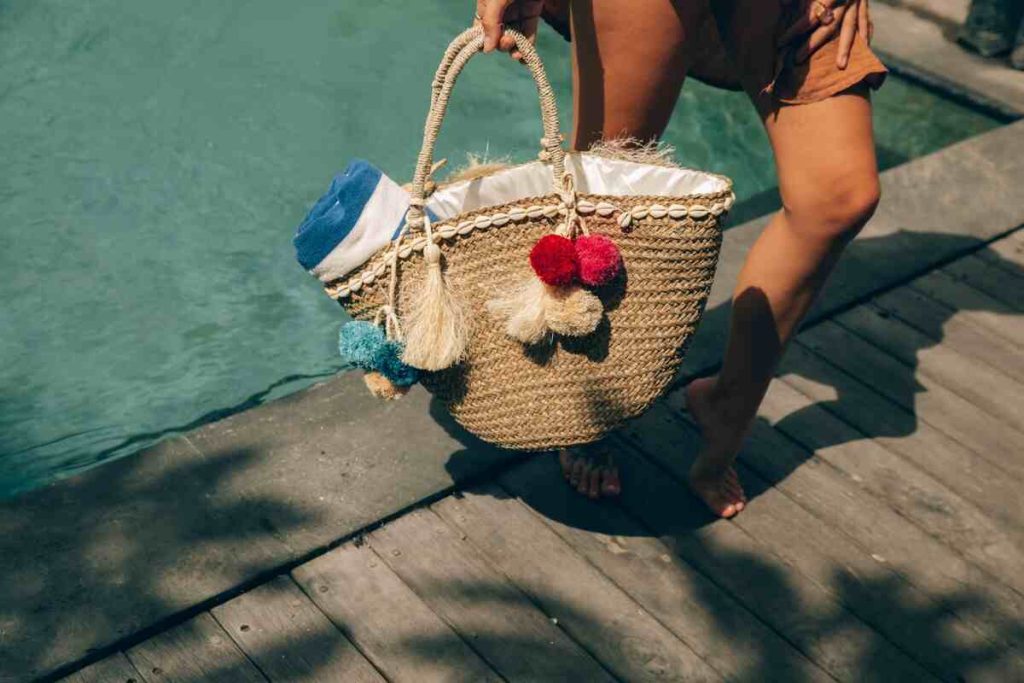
567 390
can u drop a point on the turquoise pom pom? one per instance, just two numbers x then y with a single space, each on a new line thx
388 362
359 341
365 345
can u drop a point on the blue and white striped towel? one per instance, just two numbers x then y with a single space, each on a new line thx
362 212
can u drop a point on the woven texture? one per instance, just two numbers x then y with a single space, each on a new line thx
571 390
566 390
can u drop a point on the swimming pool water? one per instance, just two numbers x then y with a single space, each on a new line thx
157 156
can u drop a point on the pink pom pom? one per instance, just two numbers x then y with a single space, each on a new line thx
554 260
598 258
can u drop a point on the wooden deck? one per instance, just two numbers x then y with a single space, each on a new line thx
884 539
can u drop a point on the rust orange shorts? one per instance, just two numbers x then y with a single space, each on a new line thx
736 48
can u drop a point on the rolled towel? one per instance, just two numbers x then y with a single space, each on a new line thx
362 211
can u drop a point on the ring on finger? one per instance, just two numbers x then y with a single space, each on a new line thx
822 13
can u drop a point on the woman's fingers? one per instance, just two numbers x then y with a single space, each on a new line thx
491 13
821 35
864 20
528 27
847 31
816 13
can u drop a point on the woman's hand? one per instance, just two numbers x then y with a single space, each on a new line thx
822 19
496 15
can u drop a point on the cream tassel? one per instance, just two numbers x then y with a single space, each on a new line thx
522 311
572 311
534 310
435 327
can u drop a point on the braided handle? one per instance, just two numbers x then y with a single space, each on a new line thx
459 52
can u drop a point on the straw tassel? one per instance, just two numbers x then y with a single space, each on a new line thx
382 387
534 310
523 312
435 327
572 311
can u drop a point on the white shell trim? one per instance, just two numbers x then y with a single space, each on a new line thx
518 214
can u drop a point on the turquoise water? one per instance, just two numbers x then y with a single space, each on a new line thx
157 156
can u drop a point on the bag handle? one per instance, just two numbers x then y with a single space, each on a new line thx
459 52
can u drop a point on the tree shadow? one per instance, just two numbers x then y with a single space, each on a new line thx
856 611
82 569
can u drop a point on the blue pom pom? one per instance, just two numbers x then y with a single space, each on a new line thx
388 362
359 342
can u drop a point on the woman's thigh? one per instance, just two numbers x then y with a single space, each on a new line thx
629 63
825 157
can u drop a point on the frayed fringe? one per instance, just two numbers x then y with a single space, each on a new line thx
477 167
652 152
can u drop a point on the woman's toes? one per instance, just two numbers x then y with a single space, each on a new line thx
583 483
577 472
610 484
594 490
565 459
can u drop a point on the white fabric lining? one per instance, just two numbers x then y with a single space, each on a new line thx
593 174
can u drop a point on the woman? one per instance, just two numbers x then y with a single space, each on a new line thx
807 69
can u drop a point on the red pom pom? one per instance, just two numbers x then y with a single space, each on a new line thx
554 260
598 258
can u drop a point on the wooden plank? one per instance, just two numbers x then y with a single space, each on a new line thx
867 585
392 627
717 627
999 284
989 389
949 326
974 305
597 613
974 479
799 609
930 401
1006 253
957 586
114 669
450 575
289 639
197 650
910 490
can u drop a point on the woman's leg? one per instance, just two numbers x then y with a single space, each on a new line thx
828 179
629 62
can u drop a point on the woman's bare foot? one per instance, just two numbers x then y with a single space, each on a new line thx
591 470
712 476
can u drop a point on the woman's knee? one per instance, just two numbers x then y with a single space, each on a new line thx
834 208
